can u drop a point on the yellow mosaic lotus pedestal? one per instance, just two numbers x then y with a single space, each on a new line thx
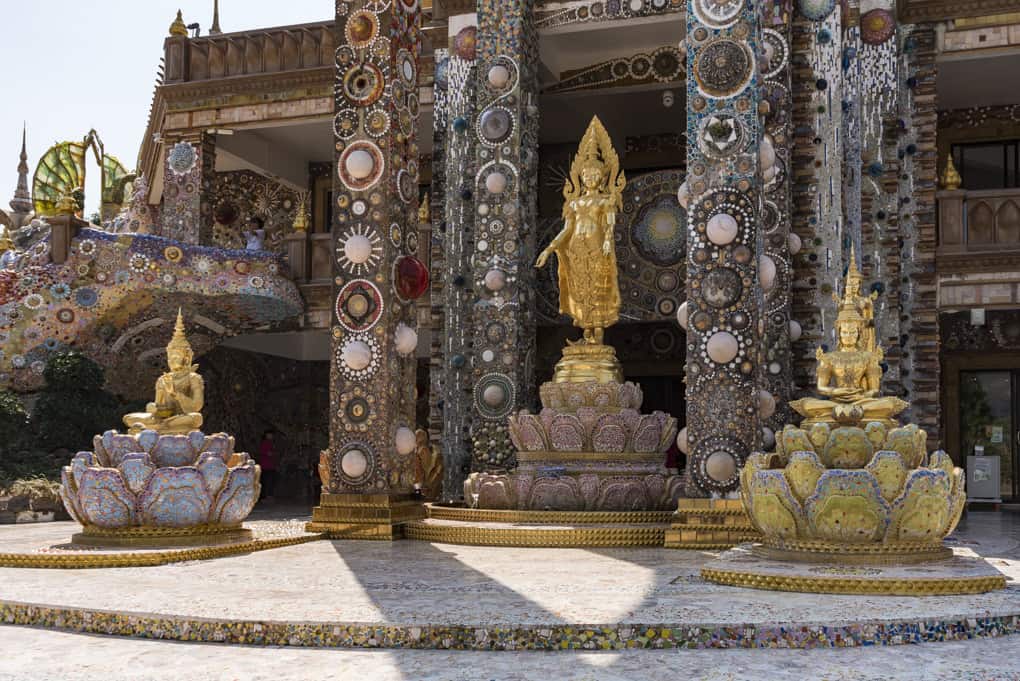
851 502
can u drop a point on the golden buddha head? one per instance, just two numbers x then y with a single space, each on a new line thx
849 333
178 352
591 174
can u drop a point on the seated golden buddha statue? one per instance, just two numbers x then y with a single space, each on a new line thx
849 378
180 393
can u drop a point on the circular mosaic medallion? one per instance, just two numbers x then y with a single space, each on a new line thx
667 64
406 187
731 202
779 53
406 69
771 217
370 366
357 409
816 10
717 13
723 67
363 84
182 158
717 463
667 281
377 123
359 305
443 73
721 135
361 165
496 126
877 26
494 396
495 332
721 287
359 249
663 341
464 43
362 28
345 124
659 230
355 463
640 66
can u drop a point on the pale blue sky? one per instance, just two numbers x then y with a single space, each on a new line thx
67 66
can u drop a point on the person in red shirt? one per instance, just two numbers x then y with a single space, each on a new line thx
268 462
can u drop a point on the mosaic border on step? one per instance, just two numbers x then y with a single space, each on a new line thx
524 637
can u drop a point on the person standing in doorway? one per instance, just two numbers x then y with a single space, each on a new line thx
269 463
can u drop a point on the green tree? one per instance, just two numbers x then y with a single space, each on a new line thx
73 406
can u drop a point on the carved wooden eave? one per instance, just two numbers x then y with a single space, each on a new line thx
930 11
278 86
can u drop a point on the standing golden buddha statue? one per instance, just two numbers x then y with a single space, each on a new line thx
849 379
180 392
586 253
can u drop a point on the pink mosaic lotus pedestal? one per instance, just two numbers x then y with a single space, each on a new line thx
589 449
160 490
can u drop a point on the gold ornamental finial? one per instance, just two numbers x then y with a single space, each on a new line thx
67 205
301 219
178 28
180 339
424 216
951 179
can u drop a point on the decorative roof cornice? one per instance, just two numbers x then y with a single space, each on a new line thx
930 11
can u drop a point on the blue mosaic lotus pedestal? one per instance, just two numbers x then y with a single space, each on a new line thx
160 490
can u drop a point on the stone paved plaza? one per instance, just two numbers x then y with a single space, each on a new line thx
415 586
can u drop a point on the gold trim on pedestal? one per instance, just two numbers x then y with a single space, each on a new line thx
588 362
90 559
158 537
856 585
709 525
536 537
587 457
900 553
483 515
365 516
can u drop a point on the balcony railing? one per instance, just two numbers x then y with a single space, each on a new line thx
287 48
979 221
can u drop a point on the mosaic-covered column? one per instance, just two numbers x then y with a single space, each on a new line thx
459 218
779 243
817 167
438 281
504 192
724 294
918 301
368 471
188 181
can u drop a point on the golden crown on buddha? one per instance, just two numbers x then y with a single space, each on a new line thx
849 378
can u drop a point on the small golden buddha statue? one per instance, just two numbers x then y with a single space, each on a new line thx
586 252
849 379
180 393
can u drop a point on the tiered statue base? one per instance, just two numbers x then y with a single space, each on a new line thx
160 537
709 525
589 449
581 481
744 566
450 524
365 516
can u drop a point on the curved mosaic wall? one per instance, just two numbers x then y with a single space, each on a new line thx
115 298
